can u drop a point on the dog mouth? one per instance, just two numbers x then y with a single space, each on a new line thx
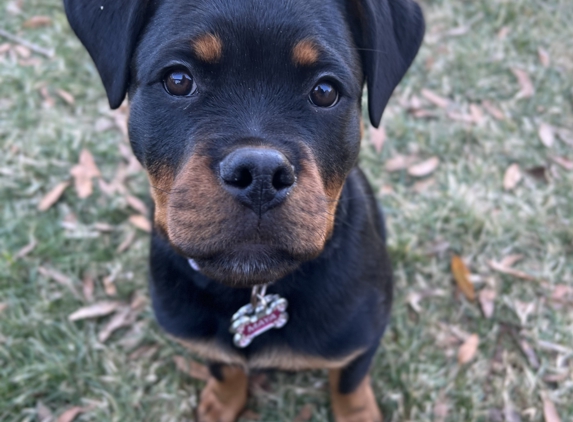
246 265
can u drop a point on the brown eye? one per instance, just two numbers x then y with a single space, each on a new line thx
180 83
323 95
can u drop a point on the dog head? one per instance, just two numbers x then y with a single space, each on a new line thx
246 114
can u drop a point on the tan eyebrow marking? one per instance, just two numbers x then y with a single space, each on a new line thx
305 53
208 47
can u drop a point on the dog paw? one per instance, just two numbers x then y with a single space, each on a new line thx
223 401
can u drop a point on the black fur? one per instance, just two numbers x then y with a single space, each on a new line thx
340 301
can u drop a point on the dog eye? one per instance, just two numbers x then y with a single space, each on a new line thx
180 83
323 95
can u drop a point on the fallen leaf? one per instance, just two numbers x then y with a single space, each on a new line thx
137 204
70 414
52 196
126 242
66 96
26 249
529 354
546 134
435 99
377 137
549 410
141 222
441 409
103 227
94 311
191 368
59 278
556 377
88 287
543 57
503 32
562 293
22 51
143 352
305 413
37 21
83 172
510 271
493 111
512 177
424 168
422 186
5 47
109 285
510 260
468 349
122 318
3 307
400 162
462 277
476 113
563 162
43 412
486 299
526 88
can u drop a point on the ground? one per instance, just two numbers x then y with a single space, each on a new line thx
485 109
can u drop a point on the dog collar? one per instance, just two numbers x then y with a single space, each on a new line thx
265 312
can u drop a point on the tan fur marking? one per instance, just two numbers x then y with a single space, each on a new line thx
161 181
305 53
358 406
208 47
223 401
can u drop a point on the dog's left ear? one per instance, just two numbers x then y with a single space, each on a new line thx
108 29
388 34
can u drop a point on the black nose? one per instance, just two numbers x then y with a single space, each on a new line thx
259 178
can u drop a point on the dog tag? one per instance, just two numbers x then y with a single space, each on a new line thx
252 320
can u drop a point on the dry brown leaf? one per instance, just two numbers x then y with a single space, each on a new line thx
191 368
563 162
468 349
477 114
549 410
546 134
59 278
510 271
435 99
529 353
526 88
70 414
141 222
88 287
66 96
511 260
424 168
146 351
22 51
400 162
441 409
126 242
109 285
26 249
37 21
556 377
512 177
493 111
305 413
377 137
5 47
96 310
544 58
52 196
43 412
122 318
462 277
460 117
103 227
137 204
3 307
562 293
486 299
422 186
83 173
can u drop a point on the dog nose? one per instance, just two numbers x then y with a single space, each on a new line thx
259 178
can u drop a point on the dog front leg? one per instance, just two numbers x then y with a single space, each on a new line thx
351 393
225 394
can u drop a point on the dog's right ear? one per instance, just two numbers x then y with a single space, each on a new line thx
108 29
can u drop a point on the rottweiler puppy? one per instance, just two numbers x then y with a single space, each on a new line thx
246 115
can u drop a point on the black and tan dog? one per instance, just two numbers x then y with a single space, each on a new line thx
246 116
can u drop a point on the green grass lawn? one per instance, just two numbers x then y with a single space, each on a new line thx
481 122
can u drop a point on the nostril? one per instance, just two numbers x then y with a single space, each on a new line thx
240 178
283 178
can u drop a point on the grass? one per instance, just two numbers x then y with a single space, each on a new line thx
467 57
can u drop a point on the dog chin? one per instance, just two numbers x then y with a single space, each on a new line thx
247 267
